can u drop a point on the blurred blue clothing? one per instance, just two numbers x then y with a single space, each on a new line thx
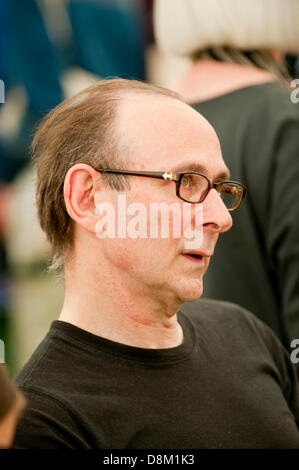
34 61
3 40
108 39
3 64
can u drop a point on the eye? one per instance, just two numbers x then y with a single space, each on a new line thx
185 180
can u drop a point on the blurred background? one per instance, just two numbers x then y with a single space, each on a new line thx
50 49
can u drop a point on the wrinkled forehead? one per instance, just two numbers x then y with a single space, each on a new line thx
161 132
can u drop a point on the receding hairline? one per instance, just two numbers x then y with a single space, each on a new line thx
132 97
122 96
148 100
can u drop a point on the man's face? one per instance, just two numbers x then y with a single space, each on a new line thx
162 134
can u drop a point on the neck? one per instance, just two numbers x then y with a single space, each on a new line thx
207 79
103 304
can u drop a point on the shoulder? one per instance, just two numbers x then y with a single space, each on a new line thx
215 310
270 101
240 333
233 322
34 372
223 314
47 422
257 115
220 315
53 362
273 99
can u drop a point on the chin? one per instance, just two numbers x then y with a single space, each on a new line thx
190 298
190 290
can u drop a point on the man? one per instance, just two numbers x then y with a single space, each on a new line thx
11 403
123 367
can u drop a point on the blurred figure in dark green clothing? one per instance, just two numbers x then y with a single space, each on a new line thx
239 82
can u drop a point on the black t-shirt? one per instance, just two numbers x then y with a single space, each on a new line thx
230 384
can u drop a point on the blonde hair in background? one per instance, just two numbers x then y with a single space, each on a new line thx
185 27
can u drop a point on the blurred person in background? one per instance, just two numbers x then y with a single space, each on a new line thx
237 80
11 404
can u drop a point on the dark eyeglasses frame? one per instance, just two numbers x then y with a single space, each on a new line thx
177 178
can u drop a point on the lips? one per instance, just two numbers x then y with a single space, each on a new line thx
196 256
193 255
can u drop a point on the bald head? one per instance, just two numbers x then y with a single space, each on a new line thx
159 129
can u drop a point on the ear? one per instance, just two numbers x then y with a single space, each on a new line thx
80 184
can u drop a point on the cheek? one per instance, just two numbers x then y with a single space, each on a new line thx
121 253
167 222
147 256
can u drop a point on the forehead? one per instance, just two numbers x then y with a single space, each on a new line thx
162 133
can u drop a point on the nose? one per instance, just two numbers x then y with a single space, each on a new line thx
215 214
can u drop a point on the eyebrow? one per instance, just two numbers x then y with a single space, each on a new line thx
197 167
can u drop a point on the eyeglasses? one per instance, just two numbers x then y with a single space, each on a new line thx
194 187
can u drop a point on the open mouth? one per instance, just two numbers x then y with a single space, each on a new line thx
194 256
